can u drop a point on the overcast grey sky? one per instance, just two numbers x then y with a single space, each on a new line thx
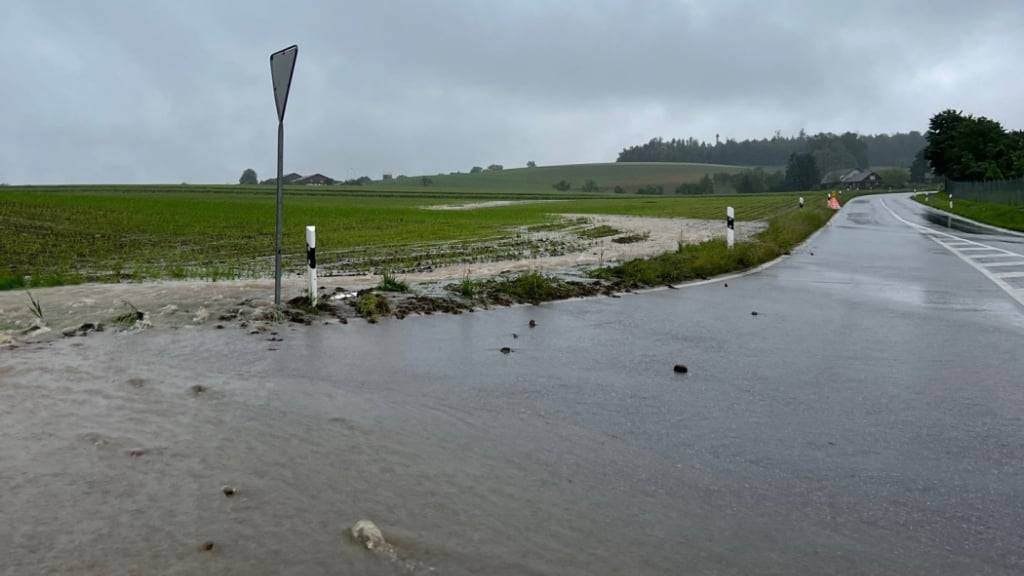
127 91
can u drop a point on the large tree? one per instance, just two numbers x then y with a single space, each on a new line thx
248 177
965 147
856 147
830 154
802 172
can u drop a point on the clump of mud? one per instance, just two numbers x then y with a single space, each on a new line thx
82 330
132 320
252 310
427 305
528 288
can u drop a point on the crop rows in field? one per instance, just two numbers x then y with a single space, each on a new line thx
117 232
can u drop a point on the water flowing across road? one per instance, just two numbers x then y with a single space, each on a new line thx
866 420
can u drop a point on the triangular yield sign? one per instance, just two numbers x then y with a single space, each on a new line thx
282 64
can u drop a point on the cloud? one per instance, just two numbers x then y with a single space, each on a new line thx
144 92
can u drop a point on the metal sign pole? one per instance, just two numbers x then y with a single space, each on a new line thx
282 66
280 210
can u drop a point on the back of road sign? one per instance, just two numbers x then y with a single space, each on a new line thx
282 64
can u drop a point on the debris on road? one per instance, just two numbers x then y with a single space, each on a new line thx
206 546
197 389
367 534
533 324
680 369
82 330
228 491
753 313
506 350
37 327
202 315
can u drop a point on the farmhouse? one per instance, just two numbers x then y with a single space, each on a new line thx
832 178
851 179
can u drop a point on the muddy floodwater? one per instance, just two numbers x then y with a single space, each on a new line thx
865 421
173 303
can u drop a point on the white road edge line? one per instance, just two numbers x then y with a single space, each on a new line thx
997 264
1014 293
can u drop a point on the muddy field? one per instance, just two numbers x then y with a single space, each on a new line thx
193 302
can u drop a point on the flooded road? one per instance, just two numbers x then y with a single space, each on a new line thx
867 420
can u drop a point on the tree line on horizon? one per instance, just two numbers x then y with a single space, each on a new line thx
830 151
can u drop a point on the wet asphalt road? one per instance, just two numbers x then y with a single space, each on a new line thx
869 420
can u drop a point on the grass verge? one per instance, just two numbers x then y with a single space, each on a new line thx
1001 215
19 282
372 306
713 257
390 283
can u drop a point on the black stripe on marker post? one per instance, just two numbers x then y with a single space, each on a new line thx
311 256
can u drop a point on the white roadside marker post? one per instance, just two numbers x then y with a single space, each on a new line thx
730 225
951 201
311 262
801 201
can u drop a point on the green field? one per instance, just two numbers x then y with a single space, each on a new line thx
102 233
628 175
1002 215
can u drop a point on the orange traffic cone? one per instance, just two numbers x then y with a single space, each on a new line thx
833 202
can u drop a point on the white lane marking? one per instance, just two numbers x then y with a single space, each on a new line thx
1009 263
1010 274
1015 293
971 249
988 258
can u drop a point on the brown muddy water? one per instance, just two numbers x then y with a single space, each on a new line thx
866 421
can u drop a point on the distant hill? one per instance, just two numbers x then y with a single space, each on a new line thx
607 176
